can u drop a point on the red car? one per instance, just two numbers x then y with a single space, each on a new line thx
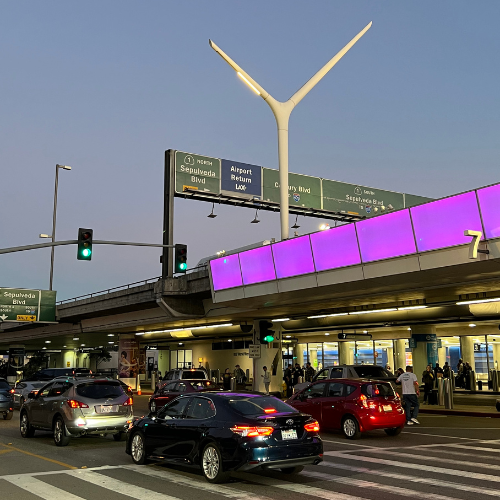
175 388
353 406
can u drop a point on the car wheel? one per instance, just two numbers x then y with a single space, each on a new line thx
211 465
152 407
292 470
138 448
118 436
350 428
8 416
60 437
26 429
394 431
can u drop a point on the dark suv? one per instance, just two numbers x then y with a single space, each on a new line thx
6 399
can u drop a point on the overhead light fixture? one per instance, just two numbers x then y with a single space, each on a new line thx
327 315
82 345
296 226
288 336
410 308
76 338
211 215
324 227
280 319
110 342
229 340
472 325
44 348
327 334
374 311
180 343
64 346
48 341
366 331
409 329
479 301
43 235
111 334
256 219
221 253
138 333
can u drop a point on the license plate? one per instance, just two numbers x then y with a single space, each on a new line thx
290 434
387 408
106 409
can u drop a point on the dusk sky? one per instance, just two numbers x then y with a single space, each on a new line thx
107 87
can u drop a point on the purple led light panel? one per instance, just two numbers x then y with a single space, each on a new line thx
336 247
386 236
442 223
257 265
293 257
226 272
489 201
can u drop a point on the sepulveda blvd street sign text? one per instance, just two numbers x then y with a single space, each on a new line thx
200 173
18 304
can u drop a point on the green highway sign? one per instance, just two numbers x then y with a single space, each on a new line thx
201 173
303 190
19 304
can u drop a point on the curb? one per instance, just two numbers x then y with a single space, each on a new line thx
460 413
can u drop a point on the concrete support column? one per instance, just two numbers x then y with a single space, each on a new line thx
268 356
442 356
496 357
400 354
426 351
467 350
346 354
299 353
390 359
313 356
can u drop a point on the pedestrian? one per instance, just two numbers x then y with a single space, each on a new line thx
239 375
446 370
309 372
297 374
411 392
267 379
428 381
287 377
467 368
438 372
226 380
388 367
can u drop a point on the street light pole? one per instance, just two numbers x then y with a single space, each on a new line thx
282 111
53 235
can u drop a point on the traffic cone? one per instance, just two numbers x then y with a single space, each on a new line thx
139 391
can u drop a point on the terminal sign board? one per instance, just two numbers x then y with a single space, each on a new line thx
19 304
241 179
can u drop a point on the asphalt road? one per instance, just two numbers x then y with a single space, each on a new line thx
444 458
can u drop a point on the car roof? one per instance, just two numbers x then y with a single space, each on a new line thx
358 381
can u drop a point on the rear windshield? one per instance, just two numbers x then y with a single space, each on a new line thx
4 385
377 390
100 390
259 405
193 374
366 371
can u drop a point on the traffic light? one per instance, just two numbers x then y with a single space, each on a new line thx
180 258
84 251
266 335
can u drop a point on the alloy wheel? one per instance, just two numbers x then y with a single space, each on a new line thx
153 407
24 424
58 431
137 448
211 463
349 427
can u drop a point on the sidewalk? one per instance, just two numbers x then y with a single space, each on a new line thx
461 410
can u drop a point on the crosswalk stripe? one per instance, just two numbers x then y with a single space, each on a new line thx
193 482
40 488
361 483
304 489
475 448
422 457
130 490
420 467
440 483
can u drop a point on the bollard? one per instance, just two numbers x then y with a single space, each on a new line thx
448 395
495 381
153 381
233 384
440 384
472 381
452 380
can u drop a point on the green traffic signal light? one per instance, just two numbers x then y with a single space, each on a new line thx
180 258
84 251
266 335
268 338
183 266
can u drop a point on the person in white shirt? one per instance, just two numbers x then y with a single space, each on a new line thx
267 379
409 385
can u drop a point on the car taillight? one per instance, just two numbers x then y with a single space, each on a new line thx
270 410
366 403
129 402
249 431
12 391
312 427
76 404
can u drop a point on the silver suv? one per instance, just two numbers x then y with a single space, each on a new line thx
77 407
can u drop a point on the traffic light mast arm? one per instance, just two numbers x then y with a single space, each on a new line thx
75 242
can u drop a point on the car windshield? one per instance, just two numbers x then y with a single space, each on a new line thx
366 371
378 390
4 385
193 374
199 385
100 390
247 405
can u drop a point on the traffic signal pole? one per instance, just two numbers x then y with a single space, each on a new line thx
167 266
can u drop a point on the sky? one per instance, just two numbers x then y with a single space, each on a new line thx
107 87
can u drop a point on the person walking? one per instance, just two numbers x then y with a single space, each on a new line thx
287 377
411 392
226 380
446 370
297 374
310 372
267 379
428 381
239 375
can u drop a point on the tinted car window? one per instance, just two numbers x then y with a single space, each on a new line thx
4 385
201 408
335 390
195 374
200 384
100 390
181 387
377 390
350 389
315 391
336 373
21 385
59 388
370 371
46 390
174 409
168 388
323 374
258 405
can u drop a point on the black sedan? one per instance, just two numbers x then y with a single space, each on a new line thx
222 432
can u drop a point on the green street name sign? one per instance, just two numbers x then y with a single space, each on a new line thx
19 304
201 173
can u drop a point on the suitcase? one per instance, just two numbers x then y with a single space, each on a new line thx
433 397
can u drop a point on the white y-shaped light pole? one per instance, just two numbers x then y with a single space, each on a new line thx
282 111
